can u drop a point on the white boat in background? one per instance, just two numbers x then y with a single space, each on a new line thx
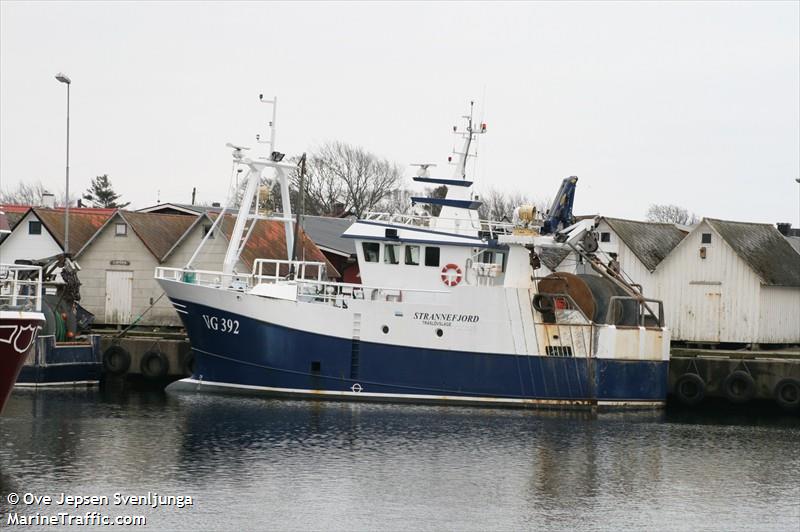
450 310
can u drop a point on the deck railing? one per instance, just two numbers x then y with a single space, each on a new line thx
492 227
310 290
274 269
620 309
21 287
212 279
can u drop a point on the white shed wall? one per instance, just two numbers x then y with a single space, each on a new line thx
95 261
779 318
715 299
21 245
628 260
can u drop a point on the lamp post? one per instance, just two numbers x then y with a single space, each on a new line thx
63 78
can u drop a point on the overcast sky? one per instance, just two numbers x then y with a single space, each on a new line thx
690 103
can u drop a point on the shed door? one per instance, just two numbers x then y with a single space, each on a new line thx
707 313
119 291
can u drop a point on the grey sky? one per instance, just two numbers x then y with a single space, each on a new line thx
689 103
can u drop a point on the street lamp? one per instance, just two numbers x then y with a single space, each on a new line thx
63 78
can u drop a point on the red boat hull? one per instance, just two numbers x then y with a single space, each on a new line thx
18 332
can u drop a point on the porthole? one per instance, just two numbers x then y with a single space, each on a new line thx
385 329
439 333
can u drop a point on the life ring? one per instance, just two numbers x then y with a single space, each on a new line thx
787 394
739 387
154 365
690 389
116 360
450 279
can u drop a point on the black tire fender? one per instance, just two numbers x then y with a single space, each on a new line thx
116 360
739 387
188 364
690 389
787 394
154 365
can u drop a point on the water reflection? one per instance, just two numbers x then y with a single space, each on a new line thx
311 465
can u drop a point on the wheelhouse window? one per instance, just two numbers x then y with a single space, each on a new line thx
34 227
121 229
412 255
371 251
391 254
705 238
605 237
431 256
493 257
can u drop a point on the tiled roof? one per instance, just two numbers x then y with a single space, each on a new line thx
326 232
650 242
83 224
158 232
268 241
763 248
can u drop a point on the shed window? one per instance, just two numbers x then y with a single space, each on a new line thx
121 230
391 254
34 227
705 238
431 256
206 230
371 251
412 255
605 236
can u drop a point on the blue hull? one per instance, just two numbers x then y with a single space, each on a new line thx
283 361
63 364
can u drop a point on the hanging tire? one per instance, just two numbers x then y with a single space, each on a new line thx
739 387
543 304
690 389
116 360
787 394
188 364
154 365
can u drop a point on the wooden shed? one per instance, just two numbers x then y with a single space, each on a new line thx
732 282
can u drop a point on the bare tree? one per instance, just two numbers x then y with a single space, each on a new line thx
672 214
24 194
339 173
500 205
397 201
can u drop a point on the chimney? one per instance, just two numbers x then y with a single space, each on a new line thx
48 200
784 227
338 210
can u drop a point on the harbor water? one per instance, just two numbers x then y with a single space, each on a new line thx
260 464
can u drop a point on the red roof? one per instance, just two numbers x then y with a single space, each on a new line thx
268 241
83 224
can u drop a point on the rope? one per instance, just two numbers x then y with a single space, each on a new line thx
129 327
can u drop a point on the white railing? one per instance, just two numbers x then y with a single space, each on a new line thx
274 269
212 279
493 227
21 287
339 293
309 290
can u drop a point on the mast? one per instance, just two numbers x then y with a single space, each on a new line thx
459 219
248 216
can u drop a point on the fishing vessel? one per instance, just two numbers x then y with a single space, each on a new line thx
20 318
450 309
